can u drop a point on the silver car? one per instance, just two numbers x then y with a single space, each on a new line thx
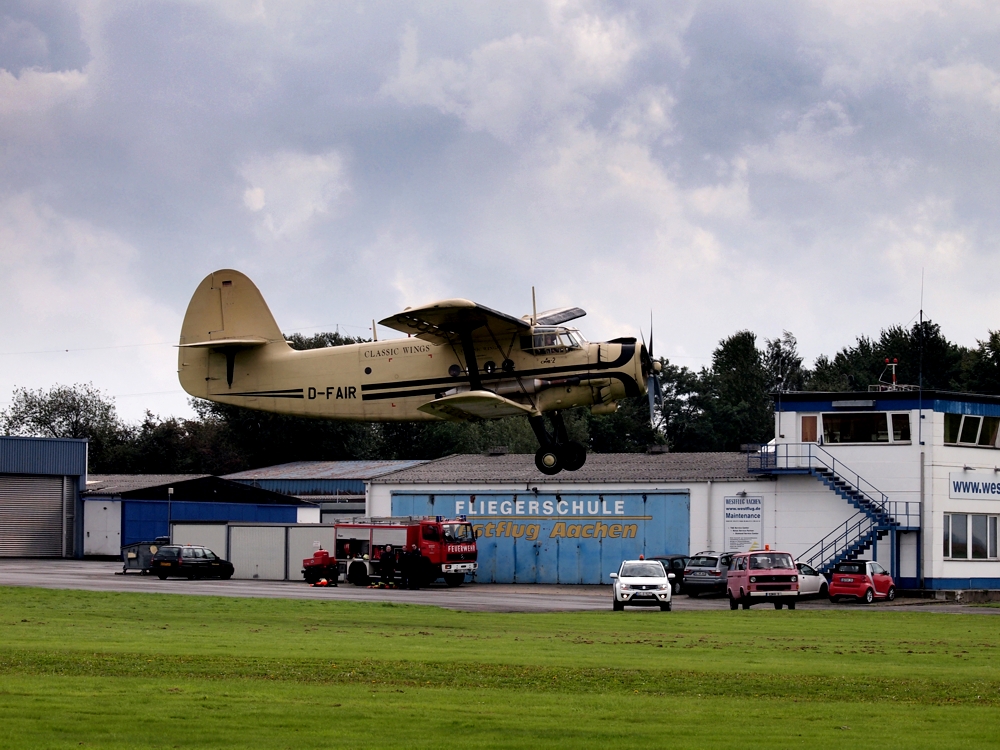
642 583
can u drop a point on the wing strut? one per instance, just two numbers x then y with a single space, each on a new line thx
475 382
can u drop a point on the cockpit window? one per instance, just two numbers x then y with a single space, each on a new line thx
546 339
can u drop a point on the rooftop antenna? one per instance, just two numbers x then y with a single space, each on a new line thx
920 367
534 308
374 332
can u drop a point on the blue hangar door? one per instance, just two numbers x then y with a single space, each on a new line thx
565 537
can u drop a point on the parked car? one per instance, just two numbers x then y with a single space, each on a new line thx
674 564
189 561
706 573
811 581
863 580
642 583
764 575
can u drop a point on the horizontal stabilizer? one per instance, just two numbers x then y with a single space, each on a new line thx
474 405
219 343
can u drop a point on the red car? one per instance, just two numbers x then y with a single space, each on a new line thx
863 580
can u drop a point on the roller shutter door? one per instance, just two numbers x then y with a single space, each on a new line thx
31 516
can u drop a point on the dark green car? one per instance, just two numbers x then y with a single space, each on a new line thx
189 561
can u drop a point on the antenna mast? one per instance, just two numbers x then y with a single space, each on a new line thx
534 308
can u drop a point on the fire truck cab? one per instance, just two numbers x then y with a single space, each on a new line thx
446 547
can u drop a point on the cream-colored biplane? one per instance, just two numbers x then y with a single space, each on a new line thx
460 361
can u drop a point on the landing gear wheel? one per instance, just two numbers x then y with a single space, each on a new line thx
454 579
358 574
616 605
548 461
733 603
574 455
869 596
666 607
891 594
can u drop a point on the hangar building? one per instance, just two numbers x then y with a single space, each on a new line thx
338 487
40 484
123 509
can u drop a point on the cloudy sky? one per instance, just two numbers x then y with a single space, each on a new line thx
726 165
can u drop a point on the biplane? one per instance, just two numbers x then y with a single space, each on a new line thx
460 361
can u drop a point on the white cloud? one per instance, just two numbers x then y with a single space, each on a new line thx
970 82
68 285
521 82
35 92
290 189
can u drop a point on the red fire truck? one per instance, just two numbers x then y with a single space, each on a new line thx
446 547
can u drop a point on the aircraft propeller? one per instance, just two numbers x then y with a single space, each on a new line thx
651 368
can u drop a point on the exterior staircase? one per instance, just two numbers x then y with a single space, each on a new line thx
876 515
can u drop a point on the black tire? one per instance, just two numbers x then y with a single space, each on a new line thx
692 594
573 455
548 461
791 605
834 599
777 605
357 574
676 589
226 576
869 597
891 594
666 607
162 576
824 590
454 579
733 603
616 605
745 602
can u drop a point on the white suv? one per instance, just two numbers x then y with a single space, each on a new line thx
642 583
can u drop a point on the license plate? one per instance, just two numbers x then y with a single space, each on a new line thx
642 595
165 564
700 573
773 593
847 580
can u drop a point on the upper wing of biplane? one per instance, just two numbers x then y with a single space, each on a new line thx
446 321
558 316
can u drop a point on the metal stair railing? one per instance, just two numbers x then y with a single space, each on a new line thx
809 457
848 539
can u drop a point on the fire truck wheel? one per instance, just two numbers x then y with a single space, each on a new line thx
454 579
358 574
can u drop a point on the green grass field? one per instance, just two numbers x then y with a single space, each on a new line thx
81 669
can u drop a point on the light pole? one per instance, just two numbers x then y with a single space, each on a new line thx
170 500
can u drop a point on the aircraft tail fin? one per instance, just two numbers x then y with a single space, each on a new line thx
226 314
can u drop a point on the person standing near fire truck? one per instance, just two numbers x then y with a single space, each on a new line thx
388 565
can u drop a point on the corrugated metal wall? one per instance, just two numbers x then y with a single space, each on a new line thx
212 535
301 544
258 552
144 520
566 537
49 456
33 514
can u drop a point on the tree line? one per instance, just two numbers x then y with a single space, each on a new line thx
716 408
